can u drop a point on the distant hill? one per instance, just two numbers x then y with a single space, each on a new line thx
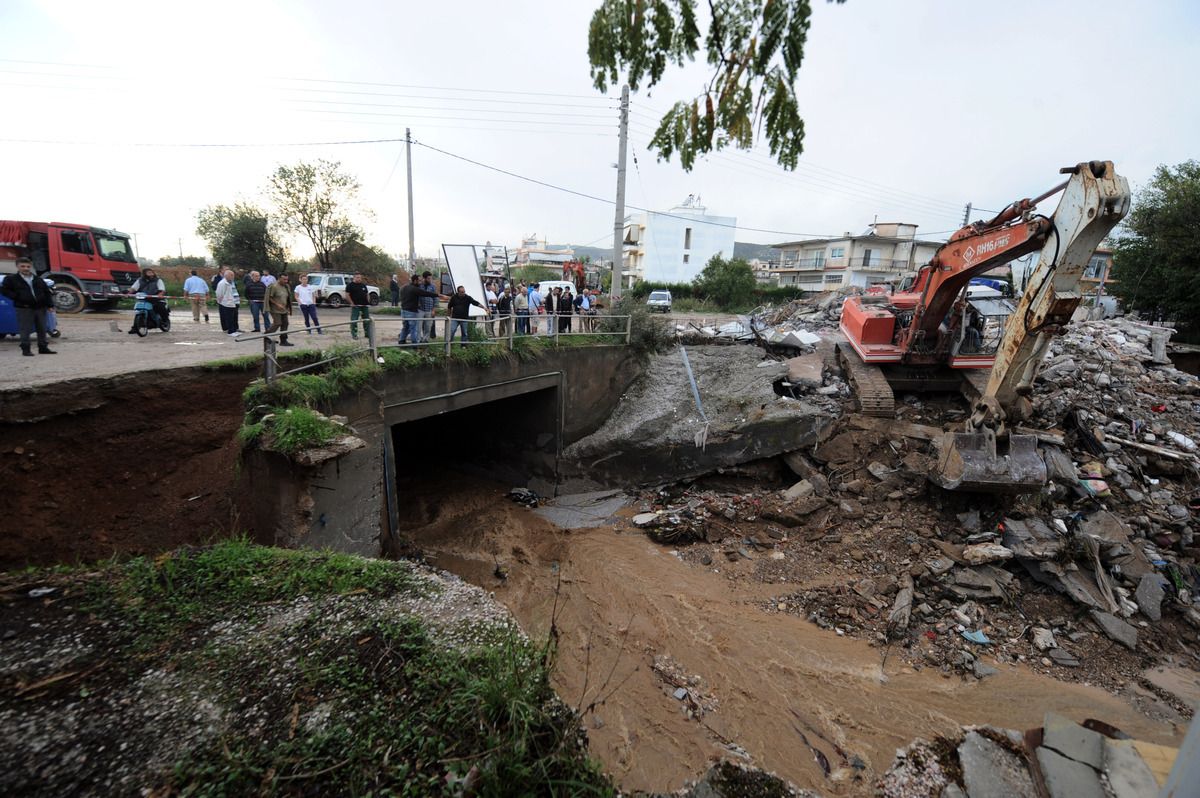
748 252
740 250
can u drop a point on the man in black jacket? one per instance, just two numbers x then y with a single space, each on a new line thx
360 302
32 299
459 308
410 303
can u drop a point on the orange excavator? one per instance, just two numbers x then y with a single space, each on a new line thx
573 271
933 335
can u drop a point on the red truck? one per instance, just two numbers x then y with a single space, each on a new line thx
89 265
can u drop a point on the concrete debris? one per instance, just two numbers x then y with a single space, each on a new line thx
1062 760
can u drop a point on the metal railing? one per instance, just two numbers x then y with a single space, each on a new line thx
498 331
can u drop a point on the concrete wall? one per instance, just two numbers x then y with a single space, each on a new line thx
345 500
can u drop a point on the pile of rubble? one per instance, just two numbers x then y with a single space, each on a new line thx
1062 759
1103 560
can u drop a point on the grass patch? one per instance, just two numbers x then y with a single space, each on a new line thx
330 689
243 363
299 428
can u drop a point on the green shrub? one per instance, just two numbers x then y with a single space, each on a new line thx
298 428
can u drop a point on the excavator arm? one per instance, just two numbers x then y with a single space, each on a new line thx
987 456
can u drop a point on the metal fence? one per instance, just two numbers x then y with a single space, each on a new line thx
497 331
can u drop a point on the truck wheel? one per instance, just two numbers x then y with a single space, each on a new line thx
68 299
334 301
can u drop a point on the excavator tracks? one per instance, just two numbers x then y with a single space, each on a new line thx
870 386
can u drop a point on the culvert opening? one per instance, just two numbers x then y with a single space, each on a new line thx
513 440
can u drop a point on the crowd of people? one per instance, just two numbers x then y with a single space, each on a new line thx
510 308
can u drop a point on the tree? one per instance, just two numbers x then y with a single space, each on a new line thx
241 237
1156 254
728 283
188 261
322 203
754 51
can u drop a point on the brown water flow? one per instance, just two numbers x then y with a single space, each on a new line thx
618 601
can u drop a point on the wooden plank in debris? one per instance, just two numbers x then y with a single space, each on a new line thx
907 429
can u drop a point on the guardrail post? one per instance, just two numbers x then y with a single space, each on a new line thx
370 325
512 324
270 366
628 328
446 334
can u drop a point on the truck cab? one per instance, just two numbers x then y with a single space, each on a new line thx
90 266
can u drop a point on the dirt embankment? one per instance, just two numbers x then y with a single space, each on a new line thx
130 464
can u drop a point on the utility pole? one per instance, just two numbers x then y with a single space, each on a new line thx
619 223
412 252
967 215
180 240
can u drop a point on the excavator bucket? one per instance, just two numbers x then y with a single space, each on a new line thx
971 461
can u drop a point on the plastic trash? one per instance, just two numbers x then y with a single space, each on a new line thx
976 637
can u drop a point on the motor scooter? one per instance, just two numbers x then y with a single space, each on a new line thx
146 315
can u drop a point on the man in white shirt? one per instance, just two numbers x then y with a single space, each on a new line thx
306 299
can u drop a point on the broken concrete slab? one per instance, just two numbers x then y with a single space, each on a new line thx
1149 596
1117 629
1073 741
1128 774
805 371
1031 539
991 770
1066 778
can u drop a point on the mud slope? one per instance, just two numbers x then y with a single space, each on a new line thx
131 464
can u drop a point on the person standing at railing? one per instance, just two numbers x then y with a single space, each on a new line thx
279 299
306 299
227 304
536 307
521 305
427 307
489 294
32 300
504 307
459 307
360 303
256 296
566 309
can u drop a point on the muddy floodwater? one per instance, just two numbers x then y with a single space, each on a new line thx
619 603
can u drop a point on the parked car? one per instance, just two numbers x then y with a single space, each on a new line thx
659 300
331 288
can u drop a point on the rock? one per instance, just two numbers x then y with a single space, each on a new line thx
644 520
879 470
969 521
800 491
902 608
990 770
1042 639
986 552
1062 658
1117 629
982 669
1149 597
851 508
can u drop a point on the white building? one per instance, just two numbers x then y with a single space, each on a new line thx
675 246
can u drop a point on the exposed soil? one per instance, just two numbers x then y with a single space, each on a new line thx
126 465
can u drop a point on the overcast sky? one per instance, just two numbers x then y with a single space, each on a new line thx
124 114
